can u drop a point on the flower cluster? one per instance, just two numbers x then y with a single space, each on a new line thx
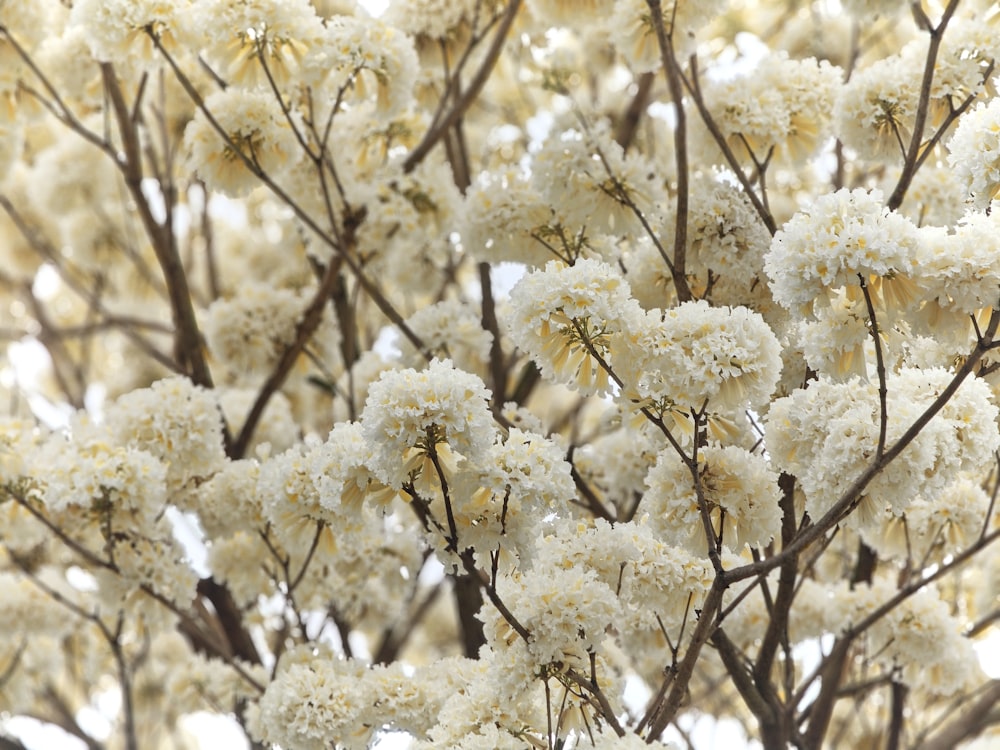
253 41
875 110
413 419
118 31
655 581
843 240
693 354
506 219
591 182
959 268
502 504
974 152
740 491
565 317
566 610
247 135
782 108
175 421
826 435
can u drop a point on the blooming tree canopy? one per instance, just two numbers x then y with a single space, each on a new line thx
500 373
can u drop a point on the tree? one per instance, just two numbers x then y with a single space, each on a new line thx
509 375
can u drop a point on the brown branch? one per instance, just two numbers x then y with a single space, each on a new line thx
899 692
432 136
923 106
498 369
883 391
188 347
674 77
737 667
629 124
850 498
821 709
976 717
777 624
664 709
311 319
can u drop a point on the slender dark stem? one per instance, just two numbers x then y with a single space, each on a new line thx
694 88
898 705
923 106
883 391
674 81
462 103
665 709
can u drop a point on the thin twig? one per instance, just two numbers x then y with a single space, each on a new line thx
672 72
462 103
923 105
883 394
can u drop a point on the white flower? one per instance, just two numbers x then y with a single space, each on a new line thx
960 269
227 559
412 416
377 61
339 470
503 504
875 110
564 317
566 611
506 219
656 582
311 704
634 35
591 183
573 13
177 422
726 242
238 34
740 490
437 19
782 108
118 30
930 530
974 152
29 611
277 426
923 639
839 237
693 353
250 330
256 130
826 435
453 329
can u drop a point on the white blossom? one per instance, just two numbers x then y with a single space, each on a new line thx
974 152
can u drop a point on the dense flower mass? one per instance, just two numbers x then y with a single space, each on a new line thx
974 152
500 374
175 421
843 240
695 354
249 135
827 435
415 419
736 490
781 109
566 317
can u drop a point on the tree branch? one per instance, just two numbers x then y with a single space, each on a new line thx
432 136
